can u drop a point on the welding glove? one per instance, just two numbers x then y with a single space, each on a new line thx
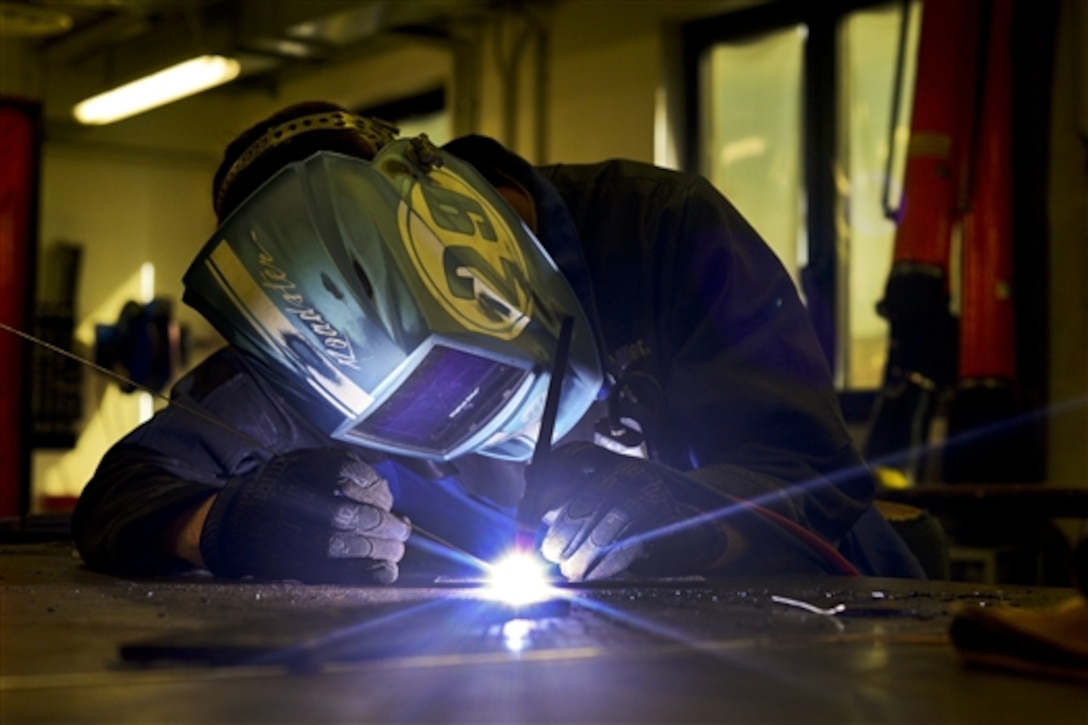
316 515
622 515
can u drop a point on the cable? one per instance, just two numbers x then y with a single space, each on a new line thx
838 563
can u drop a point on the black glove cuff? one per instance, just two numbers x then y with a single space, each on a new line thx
240 503
277 522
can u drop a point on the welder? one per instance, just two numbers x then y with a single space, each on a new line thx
395 317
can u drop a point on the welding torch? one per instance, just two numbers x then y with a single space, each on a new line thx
534 503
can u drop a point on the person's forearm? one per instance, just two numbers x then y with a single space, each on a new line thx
182 539
131 513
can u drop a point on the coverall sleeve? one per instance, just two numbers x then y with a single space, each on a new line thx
715 342
748 394
219 424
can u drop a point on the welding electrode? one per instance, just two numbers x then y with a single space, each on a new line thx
532 507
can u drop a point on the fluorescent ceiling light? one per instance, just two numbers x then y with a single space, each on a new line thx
158 89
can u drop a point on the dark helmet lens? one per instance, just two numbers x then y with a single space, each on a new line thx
445 400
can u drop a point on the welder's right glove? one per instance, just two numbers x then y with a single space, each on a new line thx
316 515
613 514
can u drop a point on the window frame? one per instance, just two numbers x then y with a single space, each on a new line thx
820 143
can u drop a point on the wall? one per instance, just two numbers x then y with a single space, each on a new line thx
126 210
1068 355
608 80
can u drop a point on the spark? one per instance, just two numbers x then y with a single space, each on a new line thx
518 579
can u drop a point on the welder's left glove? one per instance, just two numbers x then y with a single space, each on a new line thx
615 514
316 515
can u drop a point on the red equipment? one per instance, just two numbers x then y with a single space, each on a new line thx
922 350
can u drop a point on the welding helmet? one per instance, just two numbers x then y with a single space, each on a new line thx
399 303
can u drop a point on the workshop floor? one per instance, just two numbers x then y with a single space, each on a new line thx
76 646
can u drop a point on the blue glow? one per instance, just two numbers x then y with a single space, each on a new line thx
515 634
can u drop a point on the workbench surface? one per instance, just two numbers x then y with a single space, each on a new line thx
77 646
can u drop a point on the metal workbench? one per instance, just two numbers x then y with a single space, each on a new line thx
78 646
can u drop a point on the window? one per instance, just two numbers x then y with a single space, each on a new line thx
797 122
